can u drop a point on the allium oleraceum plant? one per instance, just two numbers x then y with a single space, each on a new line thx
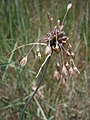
55 41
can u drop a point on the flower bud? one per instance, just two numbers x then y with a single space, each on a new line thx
51 20
48 50
38 50
64 70
23 61
39 56
64 41
70 46
48 15
61 27
71 71
69 6
58 23
67 65
76 70
57 50
56 75
72 54
64 37
68 53
58 66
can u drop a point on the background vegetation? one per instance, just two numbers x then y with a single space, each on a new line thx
22 22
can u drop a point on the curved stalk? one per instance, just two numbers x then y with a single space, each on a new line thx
41 78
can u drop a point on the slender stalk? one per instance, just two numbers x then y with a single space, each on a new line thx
64 17
30 98
25 45
42 65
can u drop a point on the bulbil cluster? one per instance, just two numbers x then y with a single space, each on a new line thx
59 42
56 39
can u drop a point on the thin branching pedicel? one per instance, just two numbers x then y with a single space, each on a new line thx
56 41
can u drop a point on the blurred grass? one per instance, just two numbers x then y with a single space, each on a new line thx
20 23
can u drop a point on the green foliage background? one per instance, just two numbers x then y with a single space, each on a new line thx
22 22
